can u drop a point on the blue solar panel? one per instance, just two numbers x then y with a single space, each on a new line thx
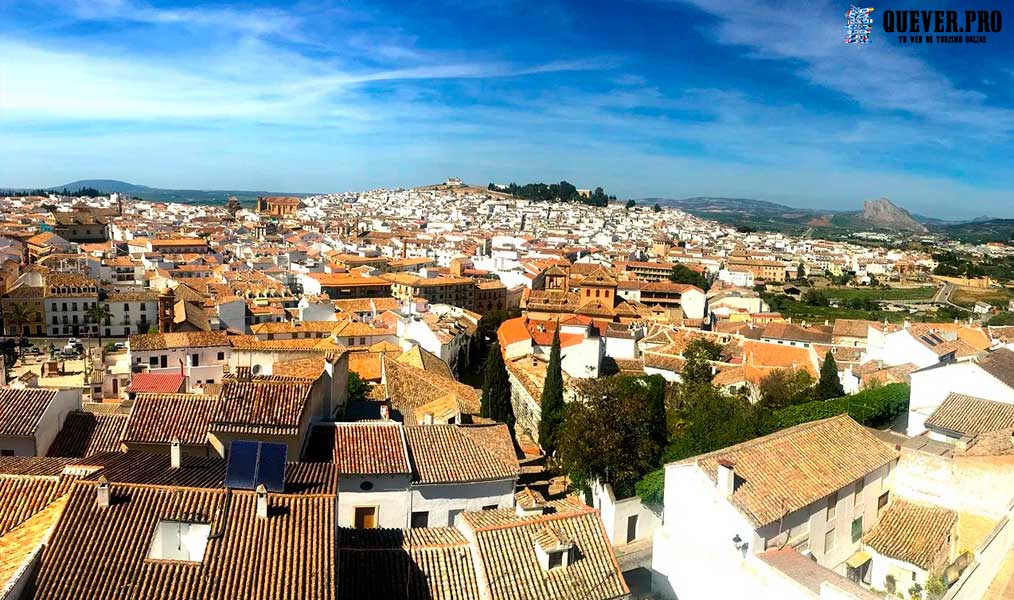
255 463
271 471
241 472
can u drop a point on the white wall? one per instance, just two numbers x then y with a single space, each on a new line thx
692 302
390 494
615 514
439 500
53 417
931 386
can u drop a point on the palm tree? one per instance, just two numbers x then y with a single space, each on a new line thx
18 314
98 313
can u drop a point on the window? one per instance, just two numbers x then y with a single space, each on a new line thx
857 529
556 559
857 497
366 486
828 540
490 507
153 361
6 453
365 517
882 501
832 506
221 356
176 540
420 519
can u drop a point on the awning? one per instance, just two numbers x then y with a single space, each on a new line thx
858 559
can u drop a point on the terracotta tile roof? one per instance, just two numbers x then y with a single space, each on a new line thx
156 383
435 564
34 465
456 453
158 418
85 434
369 448
249 342
422 359
777 356
914 533
188 339
289 555
811 575
787 470
294 327
971 416
303 368
18 546
857 328
25 495
506 555
793 332
409 388
269 405
1000 364
21 410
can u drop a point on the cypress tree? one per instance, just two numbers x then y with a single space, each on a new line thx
551 400
496 389
829 385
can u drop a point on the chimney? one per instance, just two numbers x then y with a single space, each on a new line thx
102 492
726 476
262 502
175 453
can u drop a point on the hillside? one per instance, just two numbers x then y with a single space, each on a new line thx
879 214
144 192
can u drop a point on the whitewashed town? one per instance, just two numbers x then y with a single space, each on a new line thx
457 392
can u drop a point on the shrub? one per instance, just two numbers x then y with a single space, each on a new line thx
874 407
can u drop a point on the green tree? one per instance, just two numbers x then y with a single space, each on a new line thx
18 314
696 356
785 387
551 400
485 334
98 313
613 433
358 388
496 389
829 386
800 271
708 420
683 274
657 207
631 204
815 297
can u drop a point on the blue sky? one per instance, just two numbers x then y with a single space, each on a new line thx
645 98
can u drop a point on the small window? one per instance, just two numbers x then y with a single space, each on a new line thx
6 452
221 356
828 540
832 506
420 519
555 559
857 497
857 529
366 486
490 507
882 501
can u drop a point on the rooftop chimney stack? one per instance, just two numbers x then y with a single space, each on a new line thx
175 453
726 476
262 502
102 492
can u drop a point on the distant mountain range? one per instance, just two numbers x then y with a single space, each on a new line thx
168 195
877 215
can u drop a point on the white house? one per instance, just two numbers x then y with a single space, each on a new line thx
626 520
990 378
201 356
815 488
393 476
30 418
